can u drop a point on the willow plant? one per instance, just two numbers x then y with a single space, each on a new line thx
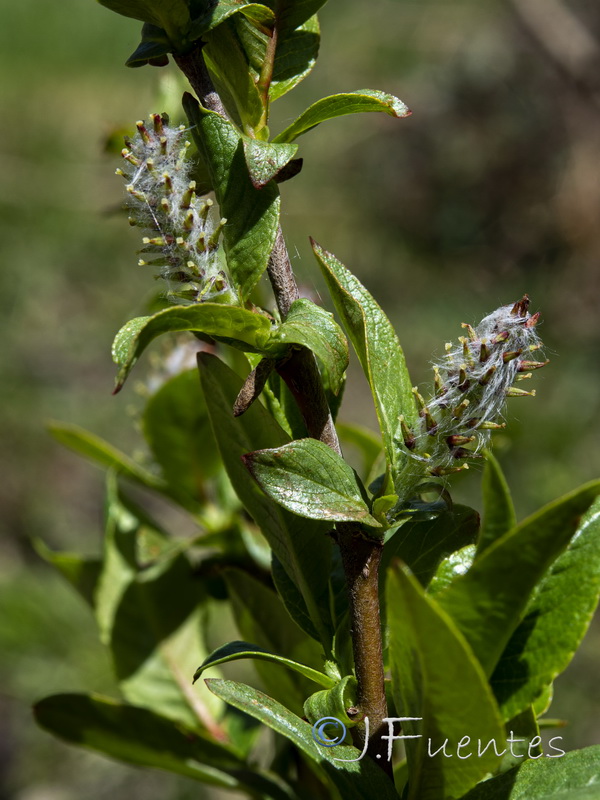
375 610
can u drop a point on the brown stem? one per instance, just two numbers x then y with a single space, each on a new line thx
193 67
360 555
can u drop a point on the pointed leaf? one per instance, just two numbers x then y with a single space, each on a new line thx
555 621
308 478
101 452
224 9
171 15
487 603
355 779
143 738
252 214
233 651
339 105
313 327
560 776
265 159
302 547
498 509
436 678
297 51
240 327
380 355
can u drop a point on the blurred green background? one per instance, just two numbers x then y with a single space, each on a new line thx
490 189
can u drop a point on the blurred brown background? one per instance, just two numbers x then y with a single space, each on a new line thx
490 189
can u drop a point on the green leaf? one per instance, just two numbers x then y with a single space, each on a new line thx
436 678
101 452
355 779
171 15
143 738
451 568
297 51
554 623
240 327
252 214
293 13
488 602
308 478
224 9
571 776
228 66
423 544
265 159
498 509
313 327
333 702
380 355
233 651
81 572
155 43
340 105
177 428
151 618
302 547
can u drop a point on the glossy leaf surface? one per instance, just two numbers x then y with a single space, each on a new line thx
379 352
340 105
487 603
252 214
354 779
555 621
308 478
241 327
498 509
313 327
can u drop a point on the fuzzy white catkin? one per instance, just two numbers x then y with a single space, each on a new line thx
473 381
180 230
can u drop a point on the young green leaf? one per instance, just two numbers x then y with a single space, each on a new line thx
146 739
313 327
238 326
172 16
340 105
333 702
223 9
554 623
308 478
296 55
561 776
355 779
379 353
498 509
252 214
487 603
436 679
302 547
265 160
233 651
